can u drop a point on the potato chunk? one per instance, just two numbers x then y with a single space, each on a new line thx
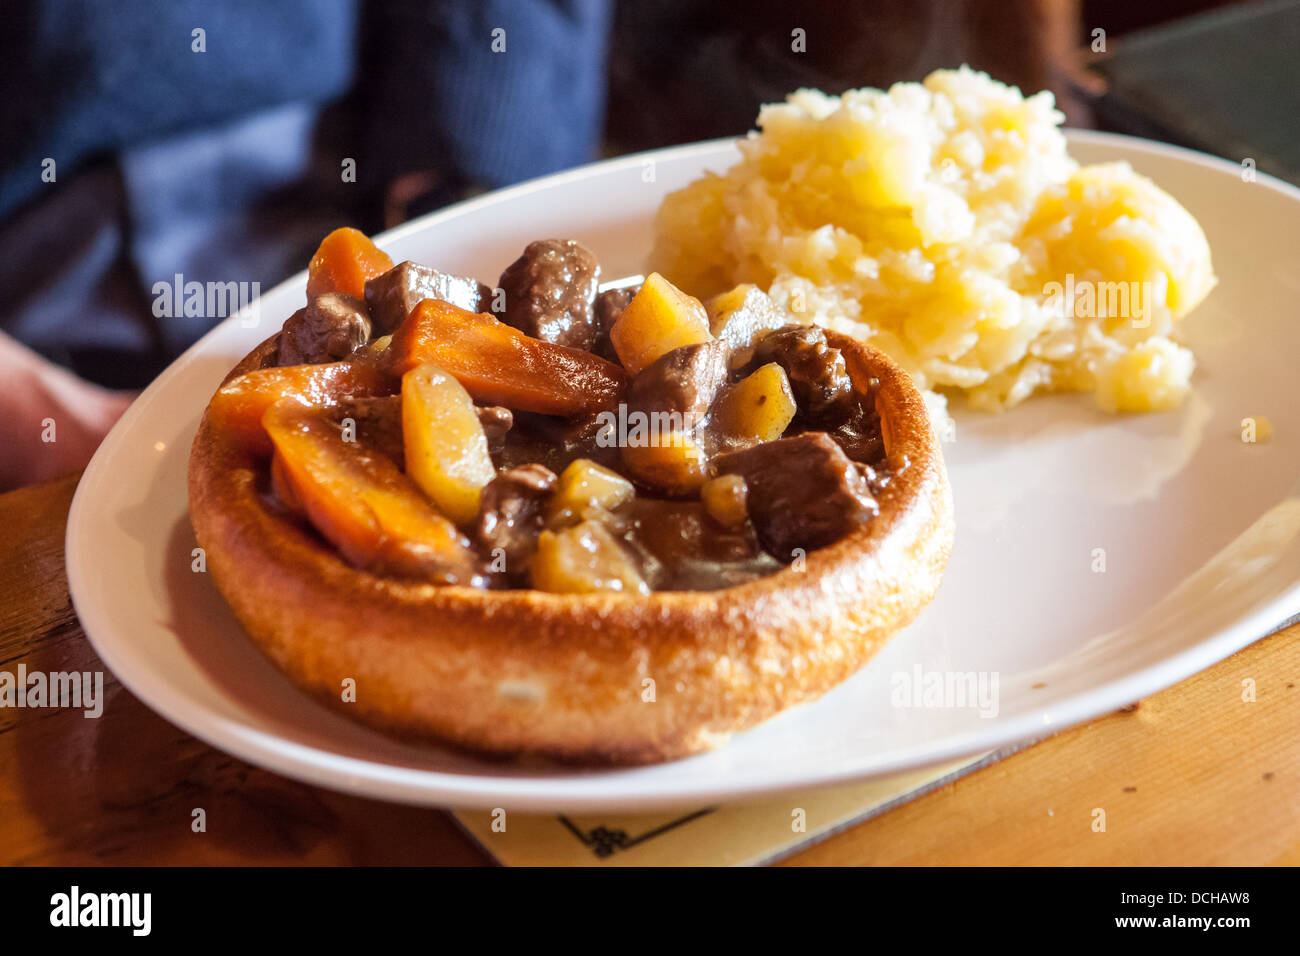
676 464
499 365
726 500
584 559
659 319
446 448
237 409
584 485
738 316
361 503
344 262
757 408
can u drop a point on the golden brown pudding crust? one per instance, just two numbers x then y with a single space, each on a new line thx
592 678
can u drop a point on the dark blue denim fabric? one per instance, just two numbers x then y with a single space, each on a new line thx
225 165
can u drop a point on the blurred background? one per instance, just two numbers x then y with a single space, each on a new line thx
219 141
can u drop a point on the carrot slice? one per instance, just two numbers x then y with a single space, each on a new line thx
236 411
498 364
360 501
344 261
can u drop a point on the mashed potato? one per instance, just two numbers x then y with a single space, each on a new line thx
944 223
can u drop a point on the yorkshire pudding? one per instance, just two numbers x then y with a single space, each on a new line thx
600 677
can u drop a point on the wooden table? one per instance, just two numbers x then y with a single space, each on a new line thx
1193 775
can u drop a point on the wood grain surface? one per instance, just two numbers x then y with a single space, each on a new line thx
1192 775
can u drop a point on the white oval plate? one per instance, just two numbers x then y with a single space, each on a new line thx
1200 532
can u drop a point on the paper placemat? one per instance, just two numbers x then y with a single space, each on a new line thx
732 835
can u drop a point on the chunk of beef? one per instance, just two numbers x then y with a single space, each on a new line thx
803 492
685 380
496 421
550 292
611 303
666 447
818 376
394 294
510 516
609 306
332 327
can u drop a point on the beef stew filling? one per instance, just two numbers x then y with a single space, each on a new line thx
627 440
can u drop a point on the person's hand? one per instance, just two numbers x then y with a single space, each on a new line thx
51 421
